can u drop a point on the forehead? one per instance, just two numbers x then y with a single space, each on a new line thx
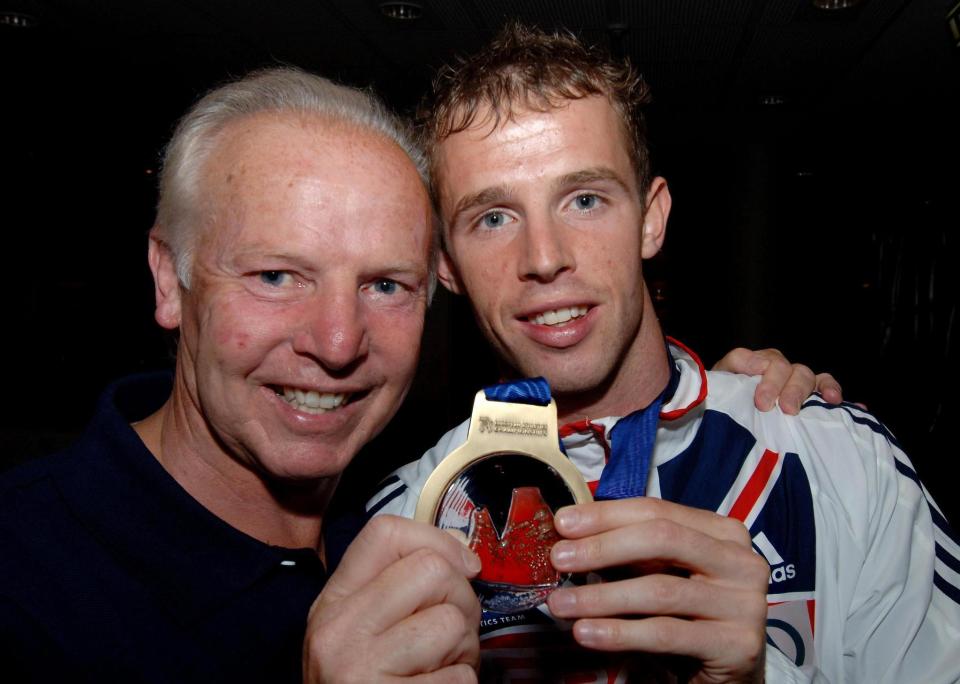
279 148
295 171
577 134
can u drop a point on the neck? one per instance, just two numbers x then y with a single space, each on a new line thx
288 515
635 382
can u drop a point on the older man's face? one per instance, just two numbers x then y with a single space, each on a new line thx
301 331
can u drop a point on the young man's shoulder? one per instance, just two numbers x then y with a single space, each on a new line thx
397 494
819 424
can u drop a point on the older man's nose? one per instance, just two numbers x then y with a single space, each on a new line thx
333 332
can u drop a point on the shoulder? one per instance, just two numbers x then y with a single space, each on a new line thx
819 426
854 464
27 490
35 529
397 494
843 448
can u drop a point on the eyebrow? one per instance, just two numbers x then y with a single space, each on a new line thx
591 175
495 195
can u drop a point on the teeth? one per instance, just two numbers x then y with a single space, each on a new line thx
312 401
558 316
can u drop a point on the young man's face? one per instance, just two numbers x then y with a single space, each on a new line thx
301 330
545 232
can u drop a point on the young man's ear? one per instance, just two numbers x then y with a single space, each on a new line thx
166 283
447 273
658 203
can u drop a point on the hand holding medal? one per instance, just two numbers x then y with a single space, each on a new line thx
500 490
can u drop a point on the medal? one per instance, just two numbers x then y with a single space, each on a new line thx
501 488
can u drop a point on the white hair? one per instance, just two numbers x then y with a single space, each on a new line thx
275 90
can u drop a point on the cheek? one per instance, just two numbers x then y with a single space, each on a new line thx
484 281
398 338
229 338
241 332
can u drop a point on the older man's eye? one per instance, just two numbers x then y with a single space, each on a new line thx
275 278
385 286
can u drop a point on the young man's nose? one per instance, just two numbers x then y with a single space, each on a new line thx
547 251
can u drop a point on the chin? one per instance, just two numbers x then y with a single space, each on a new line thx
567 378
306 467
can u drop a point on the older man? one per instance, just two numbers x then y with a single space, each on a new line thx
794 548
181 539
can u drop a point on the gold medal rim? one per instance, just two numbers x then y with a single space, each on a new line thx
480 446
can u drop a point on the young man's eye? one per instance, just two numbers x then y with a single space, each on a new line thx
586 202
494 219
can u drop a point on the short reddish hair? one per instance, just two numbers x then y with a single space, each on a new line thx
528 68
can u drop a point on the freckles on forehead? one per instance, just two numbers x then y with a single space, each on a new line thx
316 183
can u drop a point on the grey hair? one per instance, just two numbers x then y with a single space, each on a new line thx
275 90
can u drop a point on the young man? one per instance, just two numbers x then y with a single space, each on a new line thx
794 548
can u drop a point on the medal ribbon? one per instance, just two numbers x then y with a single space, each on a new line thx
625 476
526 391
632 438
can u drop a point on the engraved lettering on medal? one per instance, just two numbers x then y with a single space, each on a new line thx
513 427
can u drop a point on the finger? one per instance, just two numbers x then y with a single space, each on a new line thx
659 595
707 642
598 516
798 387
745 361
435 638
454 674
386 539
775 378
411 584
664 541
340 634
829 388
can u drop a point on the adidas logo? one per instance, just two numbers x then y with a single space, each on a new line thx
780 570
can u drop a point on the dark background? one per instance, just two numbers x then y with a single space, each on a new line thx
812 156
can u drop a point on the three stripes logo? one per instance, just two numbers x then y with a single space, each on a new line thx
780 570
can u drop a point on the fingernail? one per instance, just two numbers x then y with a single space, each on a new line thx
765 402
470 560
588 633
563 553
563 602
567 518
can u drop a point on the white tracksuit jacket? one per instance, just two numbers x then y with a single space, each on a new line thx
865 575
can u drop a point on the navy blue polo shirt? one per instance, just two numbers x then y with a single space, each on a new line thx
111 572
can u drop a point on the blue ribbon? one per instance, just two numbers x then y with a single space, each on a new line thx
632 438
526 391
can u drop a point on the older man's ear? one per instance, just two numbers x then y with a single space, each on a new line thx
166 284
447 273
